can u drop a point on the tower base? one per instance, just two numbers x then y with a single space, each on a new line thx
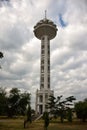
42 97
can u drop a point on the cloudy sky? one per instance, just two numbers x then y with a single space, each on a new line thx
21 62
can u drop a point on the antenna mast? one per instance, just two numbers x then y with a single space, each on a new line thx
45 14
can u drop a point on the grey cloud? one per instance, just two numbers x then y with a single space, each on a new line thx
78 10
14 38
80 42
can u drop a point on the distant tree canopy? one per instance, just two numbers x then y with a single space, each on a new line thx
81 110
14 104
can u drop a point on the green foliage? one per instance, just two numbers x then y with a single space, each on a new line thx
29 116
13 104
81 110
29 112
23 102
59 107
69 114
69 103
46 120
52 105
13 99
3 101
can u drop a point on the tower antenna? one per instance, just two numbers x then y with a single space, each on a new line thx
45 14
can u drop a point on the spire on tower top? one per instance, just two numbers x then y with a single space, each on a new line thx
45 14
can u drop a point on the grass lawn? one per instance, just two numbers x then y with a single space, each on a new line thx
17 124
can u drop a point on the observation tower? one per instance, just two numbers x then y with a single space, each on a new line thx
45 30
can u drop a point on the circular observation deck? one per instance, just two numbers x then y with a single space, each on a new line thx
45 27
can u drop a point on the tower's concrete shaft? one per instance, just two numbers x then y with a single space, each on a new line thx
45 30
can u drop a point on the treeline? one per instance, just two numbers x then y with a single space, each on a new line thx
16 103
13 103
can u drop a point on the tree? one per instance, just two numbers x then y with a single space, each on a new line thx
69 114
1 56
51 105
61 110
69 103
81 110
29 116
3 101
59 106
56 106
17 102
65 108
46 120
13 102
23 102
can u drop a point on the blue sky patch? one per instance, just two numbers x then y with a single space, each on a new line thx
62 22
